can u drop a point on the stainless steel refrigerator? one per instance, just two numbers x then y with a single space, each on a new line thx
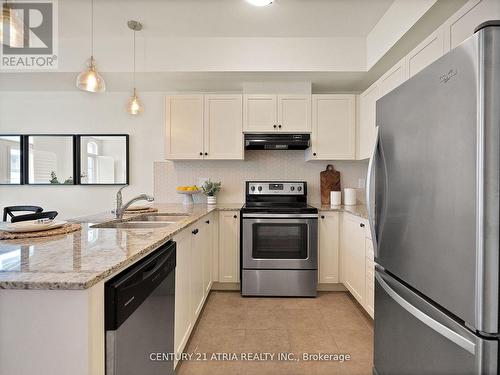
433 197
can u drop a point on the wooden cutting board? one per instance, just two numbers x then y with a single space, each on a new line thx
329 181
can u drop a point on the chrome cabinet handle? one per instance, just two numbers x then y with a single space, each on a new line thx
427 320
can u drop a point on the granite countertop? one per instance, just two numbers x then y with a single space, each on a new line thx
357 210
81 259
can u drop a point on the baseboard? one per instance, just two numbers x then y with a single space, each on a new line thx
225 286
338 287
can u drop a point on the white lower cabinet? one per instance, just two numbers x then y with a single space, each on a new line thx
329 247
357 260
199 246
193 277
183 316
353 255
229 246
370 287
208 250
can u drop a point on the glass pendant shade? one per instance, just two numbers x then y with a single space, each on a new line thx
134 105
15 26
90 80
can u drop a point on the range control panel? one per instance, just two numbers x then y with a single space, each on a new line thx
276 188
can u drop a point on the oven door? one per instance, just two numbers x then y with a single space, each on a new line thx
280 241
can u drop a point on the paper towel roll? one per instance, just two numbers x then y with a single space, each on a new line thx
349 197
335 198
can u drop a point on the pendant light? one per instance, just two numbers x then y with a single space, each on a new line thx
90 80
16 28
134 105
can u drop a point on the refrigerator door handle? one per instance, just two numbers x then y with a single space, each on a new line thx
427 320
370 193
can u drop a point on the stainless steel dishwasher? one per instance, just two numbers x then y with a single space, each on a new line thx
139 316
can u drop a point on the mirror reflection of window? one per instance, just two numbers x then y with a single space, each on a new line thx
103 159
10 159
50 159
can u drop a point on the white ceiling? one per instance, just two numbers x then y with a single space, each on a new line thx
237 18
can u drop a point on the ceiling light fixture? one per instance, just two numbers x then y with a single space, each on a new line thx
134 105
260 3
90 80
15 28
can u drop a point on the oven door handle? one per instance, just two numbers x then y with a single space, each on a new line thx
280 216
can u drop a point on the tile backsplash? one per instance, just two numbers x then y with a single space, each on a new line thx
258 165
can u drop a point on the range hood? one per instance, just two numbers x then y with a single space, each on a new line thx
277 141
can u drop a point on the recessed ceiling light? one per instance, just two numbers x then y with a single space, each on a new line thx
260 3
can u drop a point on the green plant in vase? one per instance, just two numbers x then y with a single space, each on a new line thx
210 189
53 178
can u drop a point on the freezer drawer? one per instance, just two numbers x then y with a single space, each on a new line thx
414 337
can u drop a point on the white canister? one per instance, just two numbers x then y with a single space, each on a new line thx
349 197
335 198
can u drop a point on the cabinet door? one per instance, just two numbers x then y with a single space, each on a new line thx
461 25
259 113
370 287
431 49
196 271
229 246
294 113
329 247
208 222
223 127
393 78
334 127
367 104
353 253
184 127
183 316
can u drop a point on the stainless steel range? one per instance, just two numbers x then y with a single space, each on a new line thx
279 240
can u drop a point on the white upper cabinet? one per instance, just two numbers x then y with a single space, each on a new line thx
223 132
259 113
333 127
431 49
367 107
184 127
461 25
204 127
394 77
272 113
294 113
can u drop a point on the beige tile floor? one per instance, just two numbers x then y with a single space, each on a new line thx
331 323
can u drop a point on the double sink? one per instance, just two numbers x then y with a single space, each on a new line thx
144 221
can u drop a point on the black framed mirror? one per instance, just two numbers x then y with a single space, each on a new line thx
11 164
103 159
49 159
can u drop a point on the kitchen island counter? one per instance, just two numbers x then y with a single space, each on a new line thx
81 259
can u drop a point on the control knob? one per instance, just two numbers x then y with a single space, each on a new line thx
299 188
252 188
292 188
260 188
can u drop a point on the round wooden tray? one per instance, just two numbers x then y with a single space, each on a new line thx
66 228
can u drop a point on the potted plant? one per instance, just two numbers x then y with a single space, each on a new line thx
210 189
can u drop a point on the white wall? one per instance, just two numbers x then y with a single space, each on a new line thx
80 112
258 165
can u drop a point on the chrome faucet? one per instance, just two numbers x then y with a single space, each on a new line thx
120 208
